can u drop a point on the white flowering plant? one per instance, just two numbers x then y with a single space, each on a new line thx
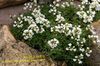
61 30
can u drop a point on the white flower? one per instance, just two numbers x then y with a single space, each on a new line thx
88 19
74 50
63 6
53 43
88 55
98 7
69 44
72 37
94 41
80 62
67 3
36 29
90 51
60 28
57 5
81 55
32 26
82 49
59 18
94 4
41 30
76 56
52 29
76 31
28 6
28 34
58 0
81 14
74 60
67 49
84 1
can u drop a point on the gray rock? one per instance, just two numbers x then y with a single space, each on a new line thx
5 3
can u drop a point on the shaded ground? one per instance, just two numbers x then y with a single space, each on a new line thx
6 12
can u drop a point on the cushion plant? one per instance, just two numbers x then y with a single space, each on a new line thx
60 30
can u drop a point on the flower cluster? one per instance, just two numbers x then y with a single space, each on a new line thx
53 43
59 28
30 5
35 25
19 22
40 18
59 18
53 10
68 29
58 3
80 57
71 48
87 15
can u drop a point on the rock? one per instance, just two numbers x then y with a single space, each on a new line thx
94 59
13 53
6 12
96 26
44 1
4 3
17 53
95 56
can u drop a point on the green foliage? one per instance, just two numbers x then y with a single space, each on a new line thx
97 17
